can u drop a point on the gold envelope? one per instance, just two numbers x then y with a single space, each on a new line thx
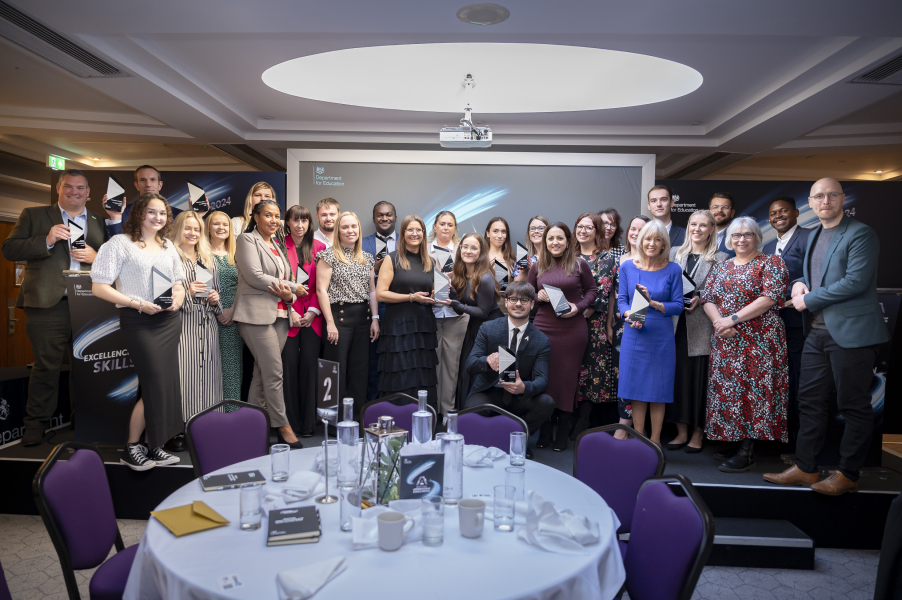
190 518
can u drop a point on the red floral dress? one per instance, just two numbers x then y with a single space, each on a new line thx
597 378
748 383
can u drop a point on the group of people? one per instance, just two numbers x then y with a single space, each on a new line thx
738 343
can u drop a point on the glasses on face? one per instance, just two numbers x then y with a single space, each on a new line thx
523 301
585 227
721 206
742 236
609 226
832 197
414 231
538 229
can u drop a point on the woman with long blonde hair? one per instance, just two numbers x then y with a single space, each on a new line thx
259 191
223 244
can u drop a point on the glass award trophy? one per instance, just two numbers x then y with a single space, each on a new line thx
507 364
639 307
443 259
440 285
501 274
381 247
115 195
162 288
557 299
198 198
522 257
77 239
302 276
205 276
688 289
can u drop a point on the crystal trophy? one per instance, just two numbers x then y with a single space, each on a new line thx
77 236
115 195
162 288
507 365
558 300
421 421
205 276
453 449
302 276
639 307
502 276
443 259
688 289
381 247
441 286
522 257
347 445
198 198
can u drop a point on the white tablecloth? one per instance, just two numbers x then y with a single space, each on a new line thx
496 565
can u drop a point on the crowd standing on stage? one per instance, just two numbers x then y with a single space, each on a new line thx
737 342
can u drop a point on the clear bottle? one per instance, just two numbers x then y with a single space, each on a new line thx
422 421
347 445
453 449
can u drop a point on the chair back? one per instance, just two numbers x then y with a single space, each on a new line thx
218 439
616 469
670 541
74 500
399 407
489 430
4 588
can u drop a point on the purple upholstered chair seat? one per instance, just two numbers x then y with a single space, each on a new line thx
401 413
4 589
108 582
217 440
489 431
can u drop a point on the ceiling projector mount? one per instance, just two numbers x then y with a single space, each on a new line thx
467 135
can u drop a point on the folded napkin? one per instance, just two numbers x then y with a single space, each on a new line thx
302 582
365 529
480 456
556 530
301 485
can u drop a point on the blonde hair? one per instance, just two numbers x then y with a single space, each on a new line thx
424 245
445 213
710 245
357 252
230 244
202 247
656 228
249 202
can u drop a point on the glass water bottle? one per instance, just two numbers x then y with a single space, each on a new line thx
347 445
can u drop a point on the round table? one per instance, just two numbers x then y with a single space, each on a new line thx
495 565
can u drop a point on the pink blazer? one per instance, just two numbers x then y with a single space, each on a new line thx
310 300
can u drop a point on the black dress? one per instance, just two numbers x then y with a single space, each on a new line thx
407 343
482 308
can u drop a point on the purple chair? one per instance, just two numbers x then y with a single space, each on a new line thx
74 500
671 539
616 469
217 439
399 407
4 589
489 430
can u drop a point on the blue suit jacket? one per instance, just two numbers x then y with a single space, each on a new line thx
533 351
723 248
677 236
848 292
794 258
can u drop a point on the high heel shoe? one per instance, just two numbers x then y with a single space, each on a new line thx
293 445
544 435
563 432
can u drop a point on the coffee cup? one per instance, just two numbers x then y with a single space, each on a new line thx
393 528
472 517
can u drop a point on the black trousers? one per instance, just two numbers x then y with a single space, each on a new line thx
50 334
534 411
352 352
827 366
795 342
299 379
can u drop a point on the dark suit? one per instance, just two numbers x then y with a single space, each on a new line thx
43 296
842 356
677 235
722 247
793 257
369 245
533 351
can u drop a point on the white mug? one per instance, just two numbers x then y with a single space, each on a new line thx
393 528
472 517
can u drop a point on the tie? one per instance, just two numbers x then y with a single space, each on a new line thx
384 239
514 340
779 251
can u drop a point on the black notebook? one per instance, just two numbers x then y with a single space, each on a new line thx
293 526
212 483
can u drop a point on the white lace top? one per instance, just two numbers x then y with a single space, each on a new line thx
122 263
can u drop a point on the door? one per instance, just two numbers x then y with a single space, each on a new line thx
16 350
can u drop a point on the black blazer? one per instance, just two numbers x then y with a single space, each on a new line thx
794 258
533 351
677 235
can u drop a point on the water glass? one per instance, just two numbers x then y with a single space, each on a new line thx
279 455
518 448
350 505
516 477
250 506
330 456
433 521
503 511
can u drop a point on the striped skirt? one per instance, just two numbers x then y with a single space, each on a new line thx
200 362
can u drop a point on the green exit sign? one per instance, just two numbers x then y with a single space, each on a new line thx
57 163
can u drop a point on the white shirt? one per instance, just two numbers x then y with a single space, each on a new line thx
668 226
781 242
82 221
326 239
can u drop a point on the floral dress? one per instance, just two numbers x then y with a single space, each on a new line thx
596 377
748 382
230 342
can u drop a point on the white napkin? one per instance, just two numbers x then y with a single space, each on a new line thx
556 530
365 529
302 582
480 456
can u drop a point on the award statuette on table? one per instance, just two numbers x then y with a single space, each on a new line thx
522 257
688 289
507 364
381 247
203 275
639 307
557 299
115 195
443 259
77 236
162 288
440 285
501 274
198 198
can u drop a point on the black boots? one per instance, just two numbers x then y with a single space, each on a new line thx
743 460
564 419
544 435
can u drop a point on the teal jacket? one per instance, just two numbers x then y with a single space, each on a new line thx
848 292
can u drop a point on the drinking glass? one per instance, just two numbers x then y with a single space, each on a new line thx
330 457
518 448
516 477
503 510
250 506
433 521
350 505
279 455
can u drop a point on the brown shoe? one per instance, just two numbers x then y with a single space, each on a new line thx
792 476
835 485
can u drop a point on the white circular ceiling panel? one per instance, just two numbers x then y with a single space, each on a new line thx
510 78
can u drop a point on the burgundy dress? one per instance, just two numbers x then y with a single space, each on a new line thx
568 336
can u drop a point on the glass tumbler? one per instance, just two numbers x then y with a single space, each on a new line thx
503 510
350 505
516 477
433 521
330 456
279 456
250 506
518 448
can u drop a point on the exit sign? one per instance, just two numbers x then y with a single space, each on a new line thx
57 163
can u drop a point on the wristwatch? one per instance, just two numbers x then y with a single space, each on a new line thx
735 318
375 317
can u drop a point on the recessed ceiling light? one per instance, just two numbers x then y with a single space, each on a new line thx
878 172
483 14
96 159
696 123
266 118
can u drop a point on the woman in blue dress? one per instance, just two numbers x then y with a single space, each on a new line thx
648 351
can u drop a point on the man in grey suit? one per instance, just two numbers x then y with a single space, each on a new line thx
660 205
41 238
838 289
721 207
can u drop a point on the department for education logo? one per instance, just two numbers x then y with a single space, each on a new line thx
4 409
320 178
320 170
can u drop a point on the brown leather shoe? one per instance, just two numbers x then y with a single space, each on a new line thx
835 485
792 476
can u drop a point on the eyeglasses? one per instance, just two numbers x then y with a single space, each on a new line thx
537 229
610 226
831 196
742 236
585 227
723 206
414 231
523 301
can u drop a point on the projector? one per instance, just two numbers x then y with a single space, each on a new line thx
465 136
